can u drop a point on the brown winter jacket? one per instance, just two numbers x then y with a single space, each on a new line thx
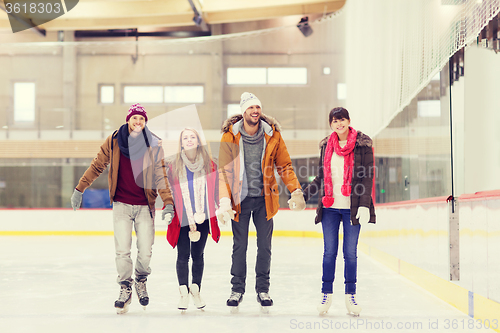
154 172
362 179
274 156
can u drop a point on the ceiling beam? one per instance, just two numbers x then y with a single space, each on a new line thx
268 12
107 14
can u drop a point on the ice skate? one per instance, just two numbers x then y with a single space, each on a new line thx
326 302
234 301
265 302
124 299
195 292
184 301
142 293
352 306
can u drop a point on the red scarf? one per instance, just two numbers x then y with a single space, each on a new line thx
348 152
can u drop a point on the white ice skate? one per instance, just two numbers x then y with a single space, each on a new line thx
326 302
124 299
195 292
184 301
352 306
234 301
265 302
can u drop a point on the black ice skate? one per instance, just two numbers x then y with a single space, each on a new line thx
234 301
265 301
123 301
142 293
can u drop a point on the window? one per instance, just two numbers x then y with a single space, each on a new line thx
341 91
142 94
430 108
106 94
247 75
287 75
233 109
24 102
184 94
267 76
159 94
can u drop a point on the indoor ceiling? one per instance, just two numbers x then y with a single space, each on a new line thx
160 14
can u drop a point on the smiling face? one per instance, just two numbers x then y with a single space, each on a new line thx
252 115
341 127
136 123
189 140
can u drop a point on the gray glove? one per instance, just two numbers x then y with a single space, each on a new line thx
76 199
167 214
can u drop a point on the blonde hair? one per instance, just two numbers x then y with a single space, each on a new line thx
179 163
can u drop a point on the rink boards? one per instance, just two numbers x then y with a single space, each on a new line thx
409 237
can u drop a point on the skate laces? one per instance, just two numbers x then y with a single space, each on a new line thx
235 296
124 294
264 296
352 299
325 298
140 286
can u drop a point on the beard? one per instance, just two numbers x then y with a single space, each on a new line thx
250 121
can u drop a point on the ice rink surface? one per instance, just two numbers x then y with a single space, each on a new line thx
68 284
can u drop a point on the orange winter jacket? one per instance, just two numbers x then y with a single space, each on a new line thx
275 157
154 172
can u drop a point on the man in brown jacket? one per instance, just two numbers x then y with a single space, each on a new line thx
251 149
136 175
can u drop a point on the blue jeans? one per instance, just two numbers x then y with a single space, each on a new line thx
331 223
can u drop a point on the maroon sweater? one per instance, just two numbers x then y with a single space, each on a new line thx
130 190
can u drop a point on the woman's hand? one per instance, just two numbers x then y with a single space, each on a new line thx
363 215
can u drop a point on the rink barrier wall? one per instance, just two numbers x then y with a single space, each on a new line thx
412 238
98 222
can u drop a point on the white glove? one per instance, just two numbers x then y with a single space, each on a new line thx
225 213
363 215
76 199
194 235
297 202
167 214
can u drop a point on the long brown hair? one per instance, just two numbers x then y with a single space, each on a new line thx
179 163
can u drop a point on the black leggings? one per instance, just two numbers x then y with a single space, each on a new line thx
186 248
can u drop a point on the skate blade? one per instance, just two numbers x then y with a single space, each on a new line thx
234 309
264 309
352 314
122 310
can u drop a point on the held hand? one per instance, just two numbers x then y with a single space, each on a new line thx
167 214
297 202
363 215
225 213
76 199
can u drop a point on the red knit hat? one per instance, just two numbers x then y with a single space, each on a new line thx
137 109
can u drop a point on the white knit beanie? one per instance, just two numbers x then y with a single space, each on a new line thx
247 100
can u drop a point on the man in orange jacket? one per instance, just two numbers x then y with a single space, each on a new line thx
251 148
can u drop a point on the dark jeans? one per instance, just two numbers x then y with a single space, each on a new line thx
255 207
186 248
331 223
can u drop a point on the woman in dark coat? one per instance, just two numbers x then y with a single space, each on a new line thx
344 182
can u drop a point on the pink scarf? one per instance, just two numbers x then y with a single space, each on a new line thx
348 152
